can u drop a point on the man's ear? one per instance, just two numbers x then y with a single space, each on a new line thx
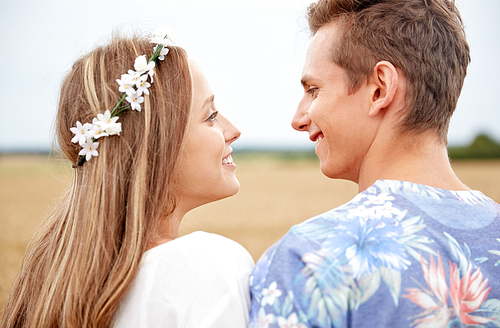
384 83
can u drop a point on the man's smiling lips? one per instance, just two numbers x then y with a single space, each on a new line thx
316 137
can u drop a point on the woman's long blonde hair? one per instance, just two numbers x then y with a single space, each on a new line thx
82 261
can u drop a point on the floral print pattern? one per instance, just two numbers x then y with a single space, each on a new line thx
466 293
388 248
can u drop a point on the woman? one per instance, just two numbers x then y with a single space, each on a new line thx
156 148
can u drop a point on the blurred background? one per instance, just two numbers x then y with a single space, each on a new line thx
252 53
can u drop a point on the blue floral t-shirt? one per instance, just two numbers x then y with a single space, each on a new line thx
399 254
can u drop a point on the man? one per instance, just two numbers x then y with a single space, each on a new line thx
416 247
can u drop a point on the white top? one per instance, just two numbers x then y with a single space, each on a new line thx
198 280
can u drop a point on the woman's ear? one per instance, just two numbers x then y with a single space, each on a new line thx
384 82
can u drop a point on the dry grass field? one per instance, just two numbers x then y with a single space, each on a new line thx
275 194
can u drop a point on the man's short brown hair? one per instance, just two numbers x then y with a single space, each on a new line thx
423 38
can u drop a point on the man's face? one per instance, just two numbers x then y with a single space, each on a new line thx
336 121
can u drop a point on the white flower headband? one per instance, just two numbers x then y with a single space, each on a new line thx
133 85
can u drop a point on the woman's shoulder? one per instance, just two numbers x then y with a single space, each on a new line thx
200 248
207 240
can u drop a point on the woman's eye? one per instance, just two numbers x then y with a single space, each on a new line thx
213 116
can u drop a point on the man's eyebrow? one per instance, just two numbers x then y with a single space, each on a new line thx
304 80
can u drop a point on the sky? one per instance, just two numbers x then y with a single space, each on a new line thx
252 53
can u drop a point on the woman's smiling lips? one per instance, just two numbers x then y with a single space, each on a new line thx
228 160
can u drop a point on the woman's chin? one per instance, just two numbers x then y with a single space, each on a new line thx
199 197
233 188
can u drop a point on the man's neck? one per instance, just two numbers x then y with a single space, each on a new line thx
420 158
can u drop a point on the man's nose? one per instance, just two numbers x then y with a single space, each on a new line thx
300 120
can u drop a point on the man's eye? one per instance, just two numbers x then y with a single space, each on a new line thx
312 91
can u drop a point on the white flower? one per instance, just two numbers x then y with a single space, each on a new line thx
161 32
131 94
141 64
291 322
142 85
362 212
163 52
386 210
263 319
134 76
126 83
114 128
270 294
135 102
378 199
157 40
99 131
89 149
105 125
163 36
104 119
82 132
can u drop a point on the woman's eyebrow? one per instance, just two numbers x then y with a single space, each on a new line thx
209 100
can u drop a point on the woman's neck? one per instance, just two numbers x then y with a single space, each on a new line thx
168 228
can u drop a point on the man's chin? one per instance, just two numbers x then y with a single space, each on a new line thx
327 170
332 171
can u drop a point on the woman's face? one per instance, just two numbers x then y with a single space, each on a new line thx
207 171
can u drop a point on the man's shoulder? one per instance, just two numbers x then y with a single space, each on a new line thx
308 235
317 227
384 199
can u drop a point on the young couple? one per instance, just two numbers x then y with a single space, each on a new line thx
415 248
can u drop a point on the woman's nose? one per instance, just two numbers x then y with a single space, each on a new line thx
231 132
